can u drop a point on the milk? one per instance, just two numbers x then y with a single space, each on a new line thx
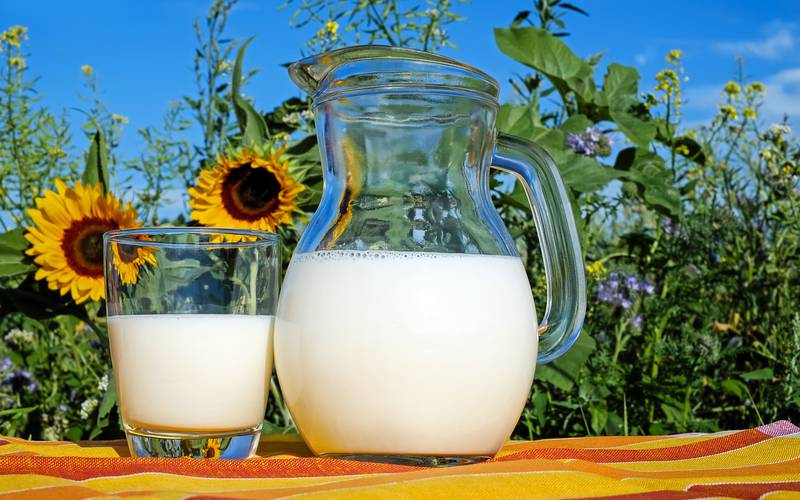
405 353
192 372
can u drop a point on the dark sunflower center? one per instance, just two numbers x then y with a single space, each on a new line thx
250 193
127 253
83 246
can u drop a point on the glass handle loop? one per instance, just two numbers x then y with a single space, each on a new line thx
558 240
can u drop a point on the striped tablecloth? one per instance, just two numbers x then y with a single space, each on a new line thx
755 463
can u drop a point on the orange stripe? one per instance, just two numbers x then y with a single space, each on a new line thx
651 495
61 492
79 468
748 491
693 450
582 442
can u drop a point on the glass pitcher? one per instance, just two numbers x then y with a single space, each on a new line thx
406 329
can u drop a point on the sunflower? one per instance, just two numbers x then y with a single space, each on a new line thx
128 259
246 190
67 239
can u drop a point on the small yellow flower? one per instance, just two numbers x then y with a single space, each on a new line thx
14 35
17 62
87 70
119 118
732 89
674 56
756 88
728 112
596 268
667 81
332 27
649 100
749 113
683 149
225 67
56 152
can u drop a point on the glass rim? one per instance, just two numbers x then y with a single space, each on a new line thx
131 237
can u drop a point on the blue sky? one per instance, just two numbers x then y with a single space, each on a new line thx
142 50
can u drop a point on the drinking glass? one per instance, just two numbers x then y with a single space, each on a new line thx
190 318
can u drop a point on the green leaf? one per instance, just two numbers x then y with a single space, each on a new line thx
254 128
734 387
762 374
539 401
74 433
549 55
583 174
619 81
110 397
8 269
97 162
652 179
563 372
13 241
599 416
17 411
695 153
13 260
638 131
515 120
576 124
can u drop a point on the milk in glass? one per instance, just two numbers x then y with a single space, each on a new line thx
192 372
381 352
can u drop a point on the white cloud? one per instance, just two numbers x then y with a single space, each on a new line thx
783 95
778 40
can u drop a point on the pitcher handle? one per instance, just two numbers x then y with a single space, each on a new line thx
558 239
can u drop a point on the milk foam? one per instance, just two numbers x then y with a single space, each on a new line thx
405 353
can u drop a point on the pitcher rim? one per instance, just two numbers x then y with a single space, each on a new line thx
310 72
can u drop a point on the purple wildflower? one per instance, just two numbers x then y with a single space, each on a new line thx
672 229
5 364
95 344
632 282
580 145
590 142
621 289
636 321
20 379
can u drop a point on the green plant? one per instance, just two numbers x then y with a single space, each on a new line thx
691 237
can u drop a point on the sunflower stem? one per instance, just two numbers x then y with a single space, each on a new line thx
253 276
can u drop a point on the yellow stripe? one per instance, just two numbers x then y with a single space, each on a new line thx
779 449
536 484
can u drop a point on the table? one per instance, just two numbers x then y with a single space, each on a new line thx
739 464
